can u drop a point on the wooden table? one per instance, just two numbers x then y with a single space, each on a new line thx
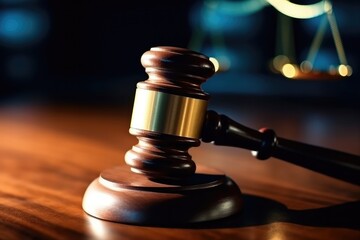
50 154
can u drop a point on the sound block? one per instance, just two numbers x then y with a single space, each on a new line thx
120 195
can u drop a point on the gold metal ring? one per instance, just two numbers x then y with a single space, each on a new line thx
168 113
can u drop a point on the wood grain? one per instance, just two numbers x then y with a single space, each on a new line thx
49 155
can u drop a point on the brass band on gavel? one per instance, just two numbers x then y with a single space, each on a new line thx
168 113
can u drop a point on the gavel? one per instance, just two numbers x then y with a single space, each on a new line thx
161 184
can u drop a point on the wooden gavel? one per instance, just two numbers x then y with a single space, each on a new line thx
170 116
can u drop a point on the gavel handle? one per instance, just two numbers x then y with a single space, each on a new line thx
221 130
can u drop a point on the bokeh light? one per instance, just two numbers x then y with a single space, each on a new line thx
22 27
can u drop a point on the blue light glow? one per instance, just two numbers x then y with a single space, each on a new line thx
21 27
215 19
311 26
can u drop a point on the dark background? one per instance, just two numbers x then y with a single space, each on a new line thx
89 51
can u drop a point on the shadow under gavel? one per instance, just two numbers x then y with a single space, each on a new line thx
221 130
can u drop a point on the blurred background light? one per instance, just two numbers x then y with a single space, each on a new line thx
227 17
75 50
22 27
289 70
325 58
303 11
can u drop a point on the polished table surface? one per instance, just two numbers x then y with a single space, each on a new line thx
50 154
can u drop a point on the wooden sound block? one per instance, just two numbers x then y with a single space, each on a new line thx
120 195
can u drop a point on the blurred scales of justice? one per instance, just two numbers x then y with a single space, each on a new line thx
284 62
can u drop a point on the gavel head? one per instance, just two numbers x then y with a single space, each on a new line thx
168 112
